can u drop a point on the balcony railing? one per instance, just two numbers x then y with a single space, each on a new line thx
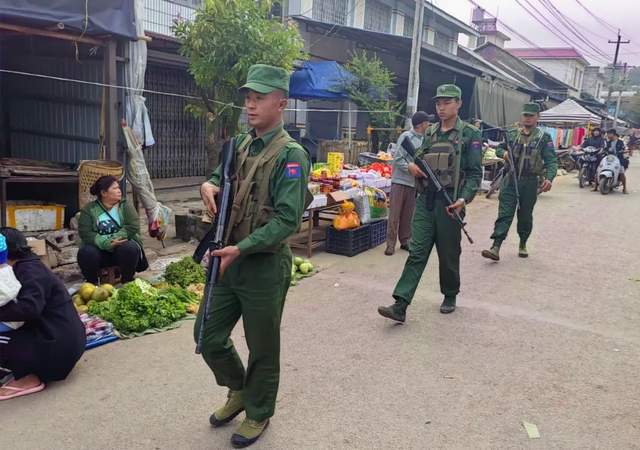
159 15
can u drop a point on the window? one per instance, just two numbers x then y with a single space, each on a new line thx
408 26
482 40
377 16
193 3
331 11
442 42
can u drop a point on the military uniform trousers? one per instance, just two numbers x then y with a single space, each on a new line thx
255 288
431 227
528 187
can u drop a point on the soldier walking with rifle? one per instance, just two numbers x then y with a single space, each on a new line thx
448 169
270 177
532 158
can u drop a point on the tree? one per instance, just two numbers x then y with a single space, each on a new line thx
371 88
223 40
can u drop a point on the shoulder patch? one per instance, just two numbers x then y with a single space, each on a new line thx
293 170
550 144
476 145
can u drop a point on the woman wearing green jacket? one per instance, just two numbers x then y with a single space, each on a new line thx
110 232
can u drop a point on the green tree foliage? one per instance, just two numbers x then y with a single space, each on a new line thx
372 89
223 40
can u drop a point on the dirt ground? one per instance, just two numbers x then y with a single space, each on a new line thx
552 340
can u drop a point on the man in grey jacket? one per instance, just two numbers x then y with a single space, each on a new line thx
402 200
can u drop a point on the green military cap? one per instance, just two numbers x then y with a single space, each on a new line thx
264 79
448 91
530 109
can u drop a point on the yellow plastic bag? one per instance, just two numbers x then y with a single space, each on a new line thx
347 218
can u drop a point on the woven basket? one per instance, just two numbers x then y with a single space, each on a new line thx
90 171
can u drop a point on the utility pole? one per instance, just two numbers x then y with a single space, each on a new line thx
618 42
623 84
413 89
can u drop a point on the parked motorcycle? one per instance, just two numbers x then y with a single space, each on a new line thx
609 174
588 163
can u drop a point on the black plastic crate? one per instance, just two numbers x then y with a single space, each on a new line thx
348 242
378 232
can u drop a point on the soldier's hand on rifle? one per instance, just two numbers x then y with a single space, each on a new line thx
455 206
208 193
227 256
415 171
546 186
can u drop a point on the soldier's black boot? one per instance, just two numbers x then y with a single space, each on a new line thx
448 305
397 311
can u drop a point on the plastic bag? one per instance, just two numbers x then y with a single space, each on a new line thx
371 204
347 218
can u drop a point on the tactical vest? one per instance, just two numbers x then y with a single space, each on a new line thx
252 206
444 159
528 155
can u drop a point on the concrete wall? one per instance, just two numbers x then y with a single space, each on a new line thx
594 81
563 69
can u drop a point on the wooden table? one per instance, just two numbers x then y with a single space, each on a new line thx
313 237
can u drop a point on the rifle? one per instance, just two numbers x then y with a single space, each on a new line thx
214 239
410 149
514 171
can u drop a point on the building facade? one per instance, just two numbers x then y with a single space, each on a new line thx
565 64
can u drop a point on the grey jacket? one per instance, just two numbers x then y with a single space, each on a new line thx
401 159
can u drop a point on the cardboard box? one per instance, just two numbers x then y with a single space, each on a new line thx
39 247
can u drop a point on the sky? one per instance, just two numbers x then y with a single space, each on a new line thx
623 14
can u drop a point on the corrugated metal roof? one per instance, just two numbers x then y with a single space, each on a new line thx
546 53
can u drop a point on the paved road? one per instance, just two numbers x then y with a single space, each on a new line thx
553 340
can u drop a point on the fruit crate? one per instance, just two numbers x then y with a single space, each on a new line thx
348 242
378 232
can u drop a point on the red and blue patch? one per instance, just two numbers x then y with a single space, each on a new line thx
476 145
293 170
550 144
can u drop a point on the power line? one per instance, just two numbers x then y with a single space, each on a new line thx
553 29
506 26
328 32
563 20
597 18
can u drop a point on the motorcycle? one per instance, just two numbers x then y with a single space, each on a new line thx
609 174
588 164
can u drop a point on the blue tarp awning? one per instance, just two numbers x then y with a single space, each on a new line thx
319 80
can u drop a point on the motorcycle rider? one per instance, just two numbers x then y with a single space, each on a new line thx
615 146
595 140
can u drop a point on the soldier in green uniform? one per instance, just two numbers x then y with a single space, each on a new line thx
272 173
536 164
453 150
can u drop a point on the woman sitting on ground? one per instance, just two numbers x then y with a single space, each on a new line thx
110 232
51 339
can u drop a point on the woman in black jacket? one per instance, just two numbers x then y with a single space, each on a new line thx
52 339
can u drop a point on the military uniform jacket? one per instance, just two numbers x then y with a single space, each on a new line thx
467 138
288 185
546 165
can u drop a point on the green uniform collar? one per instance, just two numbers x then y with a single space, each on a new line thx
266 138
458 126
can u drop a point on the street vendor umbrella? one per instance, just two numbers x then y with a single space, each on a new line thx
158 215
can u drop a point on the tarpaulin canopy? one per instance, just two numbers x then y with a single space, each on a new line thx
571 112
320 80
114 17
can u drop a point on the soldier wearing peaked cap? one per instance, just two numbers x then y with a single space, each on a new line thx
256 262
453 149
535 163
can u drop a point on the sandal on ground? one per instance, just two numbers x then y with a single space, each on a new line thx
19 392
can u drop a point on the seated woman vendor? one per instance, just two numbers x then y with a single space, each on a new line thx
109 228
44 338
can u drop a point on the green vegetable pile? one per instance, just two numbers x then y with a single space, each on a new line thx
184 272
301 268
139 306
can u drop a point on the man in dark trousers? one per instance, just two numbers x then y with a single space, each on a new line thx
453 148
256 263
535 163
402 200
